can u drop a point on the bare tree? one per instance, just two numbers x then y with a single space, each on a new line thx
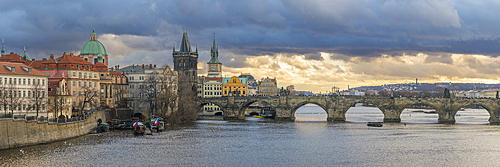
14 97
4 100
39 98
88 97
166 101
59 102
121 95
149 91
187 108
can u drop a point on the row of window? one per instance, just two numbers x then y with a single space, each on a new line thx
84 83
140 78
213 93
22 81
80 93
18 93
84 75
24 107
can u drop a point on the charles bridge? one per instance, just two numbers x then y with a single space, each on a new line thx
336 106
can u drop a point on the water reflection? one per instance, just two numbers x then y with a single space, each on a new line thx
257 142
310 113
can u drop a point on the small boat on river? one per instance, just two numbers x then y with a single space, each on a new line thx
374 124
138 128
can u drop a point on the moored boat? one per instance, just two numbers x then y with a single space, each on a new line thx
374 124
138 128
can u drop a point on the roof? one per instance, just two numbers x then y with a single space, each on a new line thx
218 79
19 69
249 77
65 62
185 46
101 66
214 54
93 46
137 69
12 58
242 80
116 73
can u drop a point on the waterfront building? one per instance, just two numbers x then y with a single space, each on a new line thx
268 87
91 50
83 79
120 89
139 76
214 65
59 102
25 90
186 63
199 90
212 87
234 86
252 86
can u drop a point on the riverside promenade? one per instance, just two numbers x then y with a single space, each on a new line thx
16 133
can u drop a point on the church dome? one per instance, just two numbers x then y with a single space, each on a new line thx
93 46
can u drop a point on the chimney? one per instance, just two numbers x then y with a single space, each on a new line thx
64 53
11 52
118 66
150 65
142 65
44 58
132 65
51 56
155 65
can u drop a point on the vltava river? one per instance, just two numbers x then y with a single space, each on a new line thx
306 142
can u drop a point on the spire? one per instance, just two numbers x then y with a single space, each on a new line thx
3 50
214 54
185 46
173 48
196 48
25 55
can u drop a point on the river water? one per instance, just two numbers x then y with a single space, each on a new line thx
310 141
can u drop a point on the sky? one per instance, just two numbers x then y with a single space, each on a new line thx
313 44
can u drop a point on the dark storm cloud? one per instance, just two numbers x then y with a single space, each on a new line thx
356 28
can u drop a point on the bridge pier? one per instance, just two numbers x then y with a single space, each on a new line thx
446 116
392 115
336 115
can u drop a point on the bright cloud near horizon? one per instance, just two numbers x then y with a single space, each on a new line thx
313 45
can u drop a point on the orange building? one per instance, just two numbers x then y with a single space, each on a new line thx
234 87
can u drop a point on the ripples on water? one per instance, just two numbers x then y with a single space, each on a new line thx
260 142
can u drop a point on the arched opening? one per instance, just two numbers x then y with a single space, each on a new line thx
210 109
139 117
364 112
258 109
472 114
310 112
419 113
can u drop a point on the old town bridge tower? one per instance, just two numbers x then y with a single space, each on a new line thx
185 62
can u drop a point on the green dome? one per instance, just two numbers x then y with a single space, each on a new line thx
93 47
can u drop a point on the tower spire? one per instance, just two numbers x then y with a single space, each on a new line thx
3 50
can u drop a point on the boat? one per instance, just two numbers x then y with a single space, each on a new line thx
116 123
158 127
258 116
138 128
374 124
104 127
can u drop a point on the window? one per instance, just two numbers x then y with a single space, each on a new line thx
90 84
29 81
29 93
74 74
79 75
84 83
38 81
95 75
79 93
84 75
24 93
95 84
24 81
74 83
74 93
10 80
43 82
79 83
43 93
15 81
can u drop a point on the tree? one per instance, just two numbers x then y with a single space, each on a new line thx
59 102
149 91
88 97
4 100
167 98
14 99
187 107
121 93
39 98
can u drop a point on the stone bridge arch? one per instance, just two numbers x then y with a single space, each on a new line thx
202 103
244 106
297 106
492 109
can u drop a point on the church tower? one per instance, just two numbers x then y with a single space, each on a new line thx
186 61
214 65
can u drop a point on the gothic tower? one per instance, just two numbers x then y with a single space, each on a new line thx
185 62
214 65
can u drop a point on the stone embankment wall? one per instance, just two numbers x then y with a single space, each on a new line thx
19 132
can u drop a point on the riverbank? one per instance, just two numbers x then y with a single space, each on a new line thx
16 133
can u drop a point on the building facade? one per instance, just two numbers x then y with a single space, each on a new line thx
268 87
23 90
234 86
59 102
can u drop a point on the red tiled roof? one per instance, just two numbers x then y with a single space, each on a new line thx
116 73
18 70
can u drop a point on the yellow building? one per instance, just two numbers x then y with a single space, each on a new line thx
234 86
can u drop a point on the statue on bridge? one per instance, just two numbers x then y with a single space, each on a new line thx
446 93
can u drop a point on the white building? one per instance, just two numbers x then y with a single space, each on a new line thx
24 90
